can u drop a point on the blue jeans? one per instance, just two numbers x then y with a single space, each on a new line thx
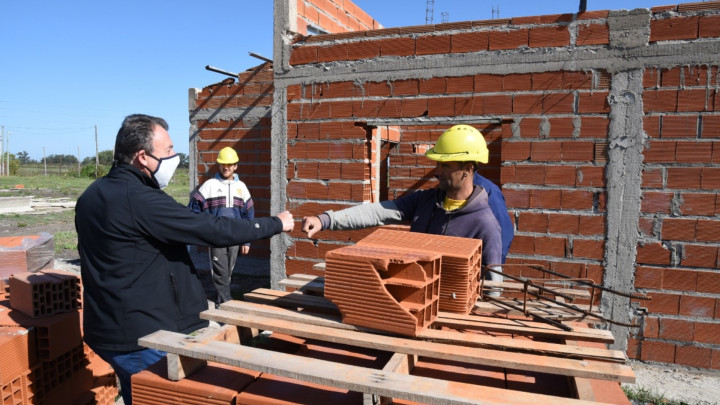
126 364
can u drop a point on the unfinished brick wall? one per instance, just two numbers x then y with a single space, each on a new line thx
603 132
235 113
332 16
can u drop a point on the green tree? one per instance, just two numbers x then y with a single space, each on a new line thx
184 160
105 158
24 158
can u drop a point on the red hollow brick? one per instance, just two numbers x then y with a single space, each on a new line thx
679 229
657 351
508 39
659 100
676 329
660 152
648 277
674 28
680 280
710 178
559 103
469 42
700 256
680 126
653 253
595 102
304 55
699 204
693 356
707 333
684 177
693 152
593 34
432 45
695 100
554 36
403 46
485 83
709 26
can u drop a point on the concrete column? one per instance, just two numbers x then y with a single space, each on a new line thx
626 141
285 20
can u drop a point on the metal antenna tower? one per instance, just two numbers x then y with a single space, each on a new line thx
444 16
429 11
495 12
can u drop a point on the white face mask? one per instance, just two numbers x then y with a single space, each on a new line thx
164 172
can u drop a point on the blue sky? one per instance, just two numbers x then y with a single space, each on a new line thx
66 67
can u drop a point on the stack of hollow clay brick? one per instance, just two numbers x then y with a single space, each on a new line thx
26 253
214 384
460 268
384 287
43 359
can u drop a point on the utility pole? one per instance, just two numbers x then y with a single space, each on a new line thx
7 153
97 157
44 161
78 160
2 142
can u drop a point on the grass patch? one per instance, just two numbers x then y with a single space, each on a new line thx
640 395
34 220
65 241
69 186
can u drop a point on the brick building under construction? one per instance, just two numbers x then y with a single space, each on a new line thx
603 128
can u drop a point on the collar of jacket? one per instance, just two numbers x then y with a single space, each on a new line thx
475 198
130 172
219 177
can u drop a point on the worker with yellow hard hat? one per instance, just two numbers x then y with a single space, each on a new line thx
456 207
225 196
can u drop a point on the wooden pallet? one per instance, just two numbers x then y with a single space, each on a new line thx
314 317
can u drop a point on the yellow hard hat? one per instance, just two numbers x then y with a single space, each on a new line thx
460 143
227 156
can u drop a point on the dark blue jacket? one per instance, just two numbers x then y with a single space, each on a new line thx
424 209
499 209
137 274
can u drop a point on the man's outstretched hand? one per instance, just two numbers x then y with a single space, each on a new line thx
311 225
287 220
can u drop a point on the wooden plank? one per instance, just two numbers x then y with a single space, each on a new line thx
473 355
180 367
353 378
290 300
521 327
303 285
526 328
582 387
450 337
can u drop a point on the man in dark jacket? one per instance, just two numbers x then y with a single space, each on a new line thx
137 274
455 207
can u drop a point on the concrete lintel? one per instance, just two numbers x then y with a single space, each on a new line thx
664 55
230 114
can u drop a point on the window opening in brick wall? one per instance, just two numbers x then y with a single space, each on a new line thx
397 153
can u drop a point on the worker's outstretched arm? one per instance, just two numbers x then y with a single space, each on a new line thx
357 217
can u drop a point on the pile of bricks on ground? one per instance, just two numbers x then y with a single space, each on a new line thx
43 359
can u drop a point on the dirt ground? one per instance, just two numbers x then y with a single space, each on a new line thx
679 384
